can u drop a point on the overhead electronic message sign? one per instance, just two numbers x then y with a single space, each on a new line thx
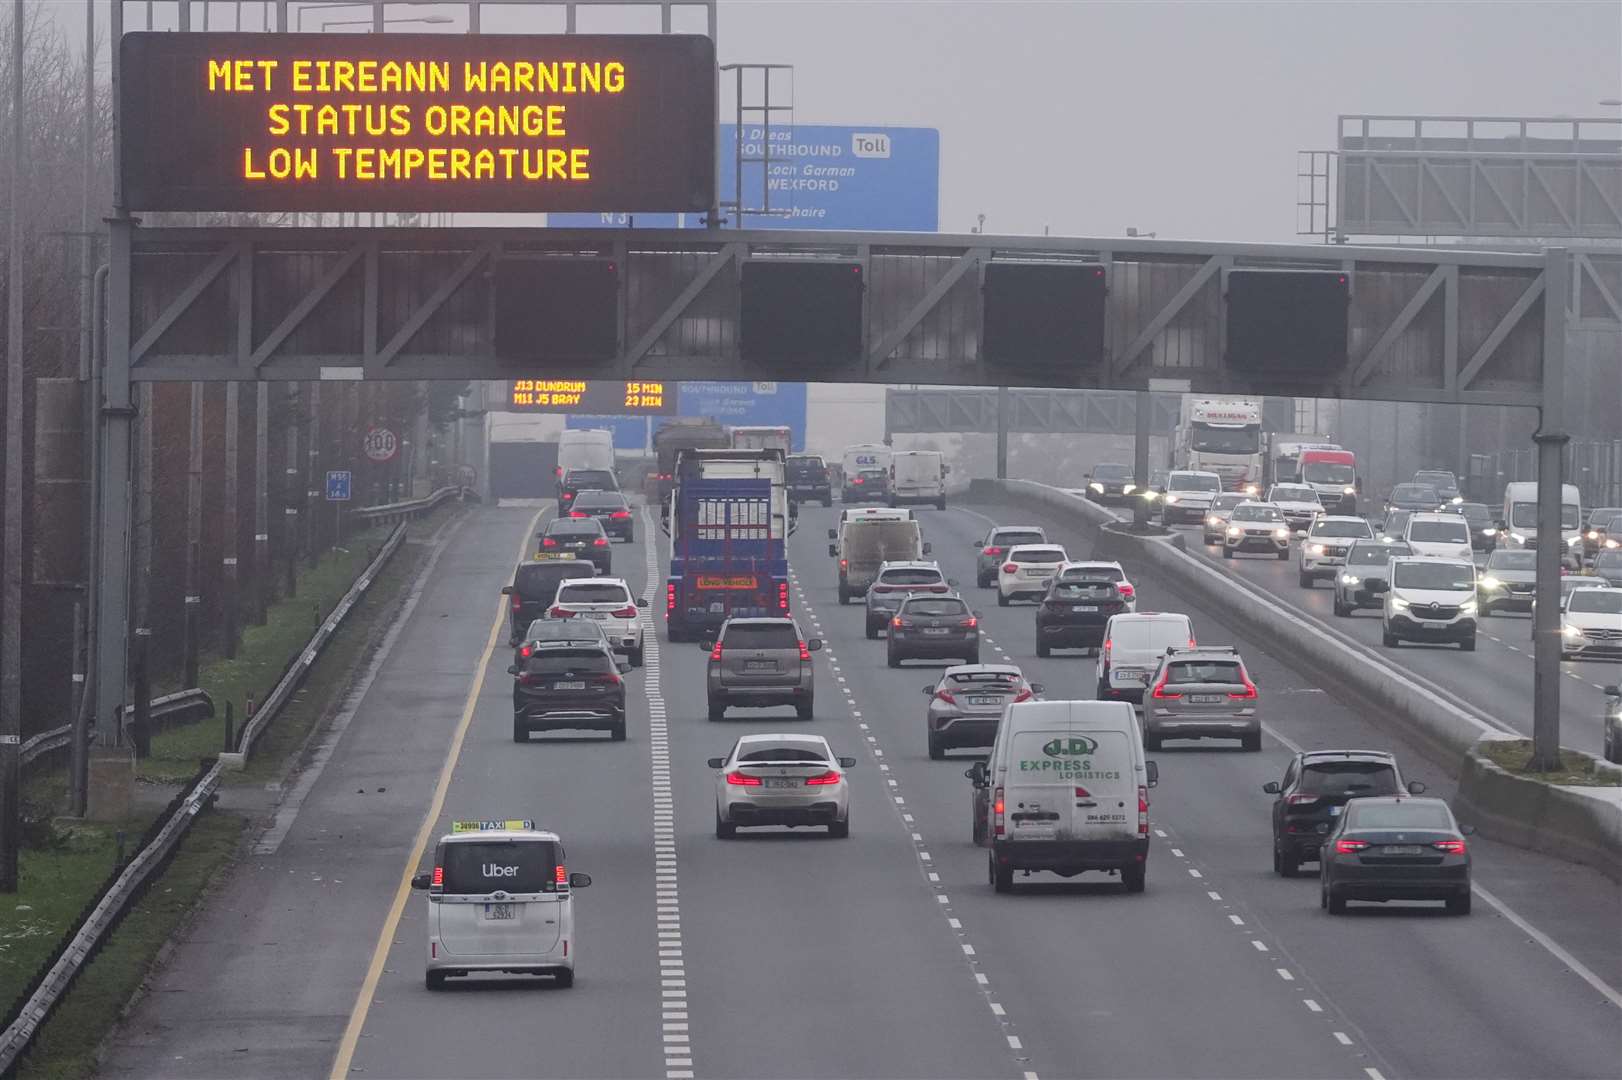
591 397
275 122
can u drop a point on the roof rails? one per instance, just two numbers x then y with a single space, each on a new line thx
1348 754
1177 650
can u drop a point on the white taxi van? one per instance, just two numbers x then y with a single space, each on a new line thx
500 900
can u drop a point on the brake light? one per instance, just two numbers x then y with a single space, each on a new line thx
940 588
1191 644
1109 644
1010 567
970 623
994 552
670 597
1023 695
578 514
844 564
518 603
555 612
526 652
858 481
438 880
805 653
830 777
946 696
625 612
782 596
560 875
620 515
738 779
715 653
997 826
1125 589
608 678
1300 800
601 541
1248 693
1143 810
899 622
1350 847
1159 692
1452 847
547 541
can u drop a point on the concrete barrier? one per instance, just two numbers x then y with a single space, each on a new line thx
1582 824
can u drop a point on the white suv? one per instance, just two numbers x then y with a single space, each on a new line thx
1439 536
1027 570
1325 546
607 602
1430 600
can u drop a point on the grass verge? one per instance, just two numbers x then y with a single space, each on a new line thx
1576 770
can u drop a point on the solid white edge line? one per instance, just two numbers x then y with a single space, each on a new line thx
1574 965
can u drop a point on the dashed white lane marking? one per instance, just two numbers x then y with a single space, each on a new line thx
1194 873
1342 1038
1236 920
1372 1073
1259 946
675 1034
1312 1006
1215 896
1284 973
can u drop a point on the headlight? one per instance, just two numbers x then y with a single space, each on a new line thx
1574 541
1348 579
1593 534
1488 532
1571 631
1234 530
1517 537
1213 520
1611 543
1127 489
1096 486
1489 583
1399 603
1457 499
1468 607
1171 498
1282 534
1348 490
1253 489
1317 549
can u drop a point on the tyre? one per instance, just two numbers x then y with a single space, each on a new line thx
434 980
839 830
977 830
1486 611
1227 552
718 710
1002 876
520 730
1459 905
724 830
1102 691
1285 554
1252 742
844 595
1341 610
1151 742
872 631
1288 864
630 536
563 979
936 751
1335 903
617 732
1304 579
1043 649
940 503
635 656
980 582
1276 869
828 500
804 712
1388 639
1133 877
972 658
1002 598
1469 645
892 659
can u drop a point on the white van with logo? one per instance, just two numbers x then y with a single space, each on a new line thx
1066 790
918 476
500 899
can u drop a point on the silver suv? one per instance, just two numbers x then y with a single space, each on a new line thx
759 663
896 581
1201 693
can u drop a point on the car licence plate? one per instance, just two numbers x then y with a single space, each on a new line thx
985 701
1205 699
597 615
1402 849
936 629
579 685
1083 607
1132 676
760 665
1429 625
500 912
782 782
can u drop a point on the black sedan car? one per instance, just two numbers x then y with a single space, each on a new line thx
574 481
933 627
581 538
1109 483
1074 610
868 485
1396 848
1483 533
569 686
609 508
1422 498
1316 789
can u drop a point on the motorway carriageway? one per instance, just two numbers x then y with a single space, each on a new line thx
787 954
1496 679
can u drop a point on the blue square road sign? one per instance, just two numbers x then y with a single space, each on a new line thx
338 485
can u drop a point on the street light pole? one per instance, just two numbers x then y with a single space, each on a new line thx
11 593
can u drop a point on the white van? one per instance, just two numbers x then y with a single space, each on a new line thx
1439 536
585 448
1518 525
864 544
1066 790
918 476
860 458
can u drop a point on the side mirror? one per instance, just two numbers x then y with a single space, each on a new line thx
577 880
977 615
1415 787
1467 830
813 645
1037 688
928 547
832 535
1152 769
707 644
506 590
977 773
642 601
833 551
512 669
847 763
623 666
422 881
1047 583
1271 787
952 581
717 762
1300 534
929 691
1614 691
1379 587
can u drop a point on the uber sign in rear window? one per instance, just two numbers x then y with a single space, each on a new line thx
514 866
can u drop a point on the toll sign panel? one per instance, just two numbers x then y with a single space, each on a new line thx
417 122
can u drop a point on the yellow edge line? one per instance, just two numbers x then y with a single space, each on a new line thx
385 938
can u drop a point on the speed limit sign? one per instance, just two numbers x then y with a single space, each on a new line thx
380 444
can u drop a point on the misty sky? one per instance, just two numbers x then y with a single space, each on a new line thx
1178 118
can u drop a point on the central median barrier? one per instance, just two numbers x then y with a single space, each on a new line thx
1583 824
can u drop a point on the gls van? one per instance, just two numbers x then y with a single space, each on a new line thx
1066 790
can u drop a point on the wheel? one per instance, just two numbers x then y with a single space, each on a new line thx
1002 876
1323 896
617 732
1289 864
803 712
872 631
1252 741
1276 869
940 503
839 830
1102 691
564 978
1469 645
1043 649
1133 876
434 980
630 536
936 751
724 830
1486 611
1002 598
1459 905
674 632
977 829
1564 656
1388 639
1341 610
1151 742
1304 579
520 730
844 595
718 710
1285 554
827 500
1336 903
891 658
635 656
972 658
1227 552
980 582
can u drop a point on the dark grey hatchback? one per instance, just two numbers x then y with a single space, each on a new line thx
929 627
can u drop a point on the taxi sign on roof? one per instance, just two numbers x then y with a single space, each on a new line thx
510 825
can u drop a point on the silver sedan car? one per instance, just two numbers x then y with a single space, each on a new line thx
787 780
966 705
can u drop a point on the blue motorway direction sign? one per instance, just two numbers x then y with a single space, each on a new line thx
828 177
339 483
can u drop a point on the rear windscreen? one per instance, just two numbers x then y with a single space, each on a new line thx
1084 588
540 581
572 528
1439 532
593 501
1340 528
911 577
760 636
1039 555
1374 556
1348 778
781 752
1099 761
513 866
1094 573
988 679
936 608
1009 539
559 661
1401 816
1204 671
580 479
593 593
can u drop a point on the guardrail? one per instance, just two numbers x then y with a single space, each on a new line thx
167 831
408 508
170 710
